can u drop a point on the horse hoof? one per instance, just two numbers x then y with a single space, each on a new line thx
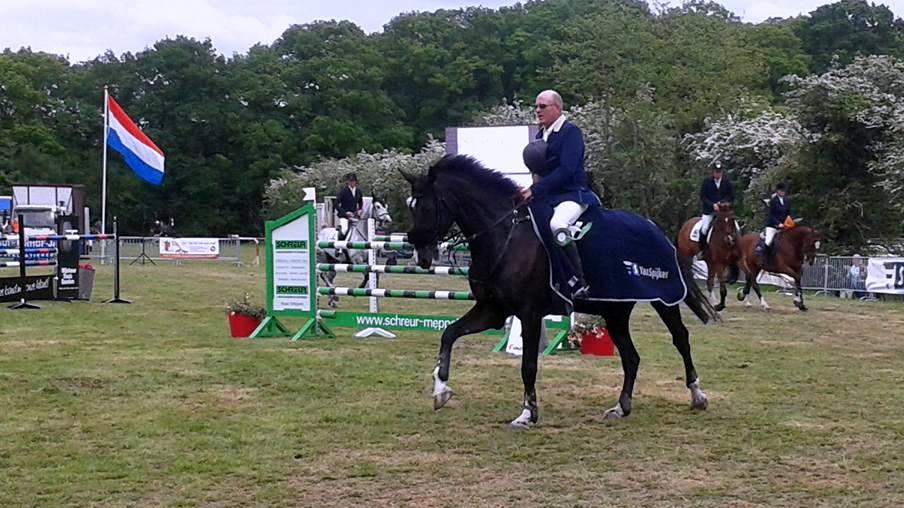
802 307
741 295
719 307
699 403
523 422
440 399
615 413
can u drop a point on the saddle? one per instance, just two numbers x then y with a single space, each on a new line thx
695 232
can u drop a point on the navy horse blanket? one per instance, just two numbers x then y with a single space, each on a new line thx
625 257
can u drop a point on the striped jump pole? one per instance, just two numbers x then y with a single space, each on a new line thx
399 237
57 238
28 250
383 245
436 270
397 293
35 262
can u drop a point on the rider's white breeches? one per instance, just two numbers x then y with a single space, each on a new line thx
343 225
705 222
770 235
565 214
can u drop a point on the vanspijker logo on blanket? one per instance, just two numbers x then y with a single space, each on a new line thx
642 271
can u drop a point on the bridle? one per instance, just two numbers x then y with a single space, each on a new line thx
456 238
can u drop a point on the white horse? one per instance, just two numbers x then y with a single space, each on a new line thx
357 232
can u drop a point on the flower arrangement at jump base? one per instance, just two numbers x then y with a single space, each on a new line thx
590 335
244 316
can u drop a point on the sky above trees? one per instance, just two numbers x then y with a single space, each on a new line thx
85 29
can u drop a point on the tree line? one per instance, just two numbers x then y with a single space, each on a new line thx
660 93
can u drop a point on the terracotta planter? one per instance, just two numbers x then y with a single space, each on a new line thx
241 325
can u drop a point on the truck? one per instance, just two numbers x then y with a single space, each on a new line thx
44 206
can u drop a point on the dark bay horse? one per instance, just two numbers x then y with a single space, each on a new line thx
720 253
792 247
509 275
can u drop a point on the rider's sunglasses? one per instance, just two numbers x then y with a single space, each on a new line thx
541 106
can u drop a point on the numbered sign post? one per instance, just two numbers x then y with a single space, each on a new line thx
291 284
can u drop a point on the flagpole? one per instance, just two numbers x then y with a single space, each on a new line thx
103 191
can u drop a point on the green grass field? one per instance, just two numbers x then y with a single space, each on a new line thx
153 404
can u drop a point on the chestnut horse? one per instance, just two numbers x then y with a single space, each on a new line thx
720 253
792 248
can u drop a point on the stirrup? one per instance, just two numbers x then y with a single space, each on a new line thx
579 230
581 293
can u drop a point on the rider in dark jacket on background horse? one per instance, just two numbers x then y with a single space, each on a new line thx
349 202
715 189
776 219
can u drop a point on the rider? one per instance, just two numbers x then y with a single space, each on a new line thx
562 181
349 201
715 190
779 212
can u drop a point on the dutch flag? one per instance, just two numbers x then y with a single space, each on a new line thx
140 153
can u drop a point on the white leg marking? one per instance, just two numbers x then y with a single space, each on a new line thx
614 413
441 391
523 420
763 303
698 398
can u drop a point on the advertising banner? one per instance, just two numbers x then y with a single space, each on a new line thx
37 287
885 275
189 248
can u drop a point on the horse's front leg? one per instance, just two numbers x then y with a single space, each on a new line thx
798 293
480 317
710 278
723 291
530 410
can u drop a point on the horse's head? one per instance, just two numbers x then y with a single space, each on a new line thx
725 228
810 242
432 214
381 214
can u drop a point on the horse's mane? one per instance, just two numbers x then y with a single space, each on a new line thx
472 170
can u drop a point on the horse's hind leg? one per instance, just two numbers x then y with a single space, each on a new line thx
759 294
671 316
618 316
530 410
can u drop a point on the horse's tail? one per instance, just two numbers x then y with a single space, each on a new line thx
695 298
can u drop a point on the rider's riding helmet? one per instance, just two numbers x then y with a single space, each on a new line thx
534 155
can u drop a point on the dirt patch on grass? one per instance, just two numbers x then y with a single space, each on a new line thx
232 395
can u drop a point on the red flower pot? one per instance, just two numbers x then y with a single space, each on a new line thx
597 342
241 325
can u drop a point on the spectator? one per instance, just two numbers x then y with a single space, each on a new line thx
857 276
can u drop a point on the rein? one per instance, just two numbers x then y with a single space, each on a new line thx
457 239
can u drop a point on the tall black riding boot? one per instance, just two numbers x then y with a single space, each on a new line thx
580 287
